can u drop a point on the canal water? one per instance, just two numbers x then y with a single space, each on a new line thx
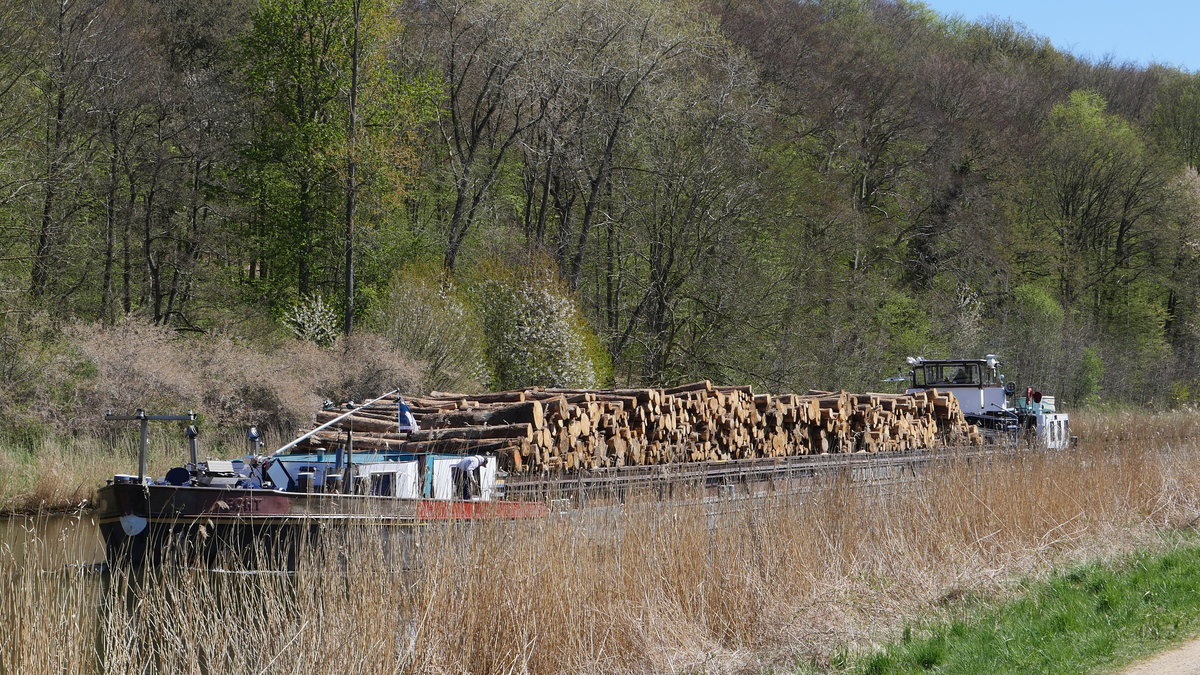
51 541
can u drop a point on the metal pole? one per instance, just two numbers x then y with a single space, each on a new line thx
145 420
348 474
333 421
145 446
192 433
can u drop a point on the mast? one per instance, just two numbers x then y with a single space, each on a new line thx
333 421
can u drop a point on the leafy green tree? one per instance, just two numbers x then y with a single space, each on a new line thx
331 139
386 110
1176 119
1102 200
1031 339
295 68
487 55
426 316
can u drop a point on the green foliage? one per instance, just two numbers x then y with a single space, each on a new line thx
905 327
1096 617
1091 373
425 316
296 64
1082 120
595 351
788 194
1183 393
1103 201
1038 307
1035 341
1175 121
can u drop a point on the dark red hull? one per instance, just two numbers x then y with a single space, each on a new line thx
201 524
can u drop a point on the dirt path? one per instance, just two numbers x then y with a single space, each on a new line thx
1183 660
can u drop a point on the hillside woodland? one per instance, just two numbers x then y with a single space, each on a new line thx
248 206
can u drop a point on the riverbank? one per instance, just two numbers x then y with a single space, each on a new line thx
1096 617
60 473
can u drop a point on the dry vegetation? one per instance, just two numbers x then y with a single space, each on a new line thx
61 473
231 383
85 369
648 587
55 448
58 475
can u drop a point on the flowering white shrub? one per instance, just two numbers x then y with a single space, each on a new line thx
313 320
535 335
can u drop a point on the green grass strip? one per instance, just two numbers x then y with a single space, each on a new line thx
1095 617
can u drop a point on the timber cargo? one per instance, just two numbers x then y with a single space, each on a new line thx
538 430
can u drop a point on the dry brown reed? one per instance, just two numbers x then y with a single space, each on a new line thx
58 475
738 584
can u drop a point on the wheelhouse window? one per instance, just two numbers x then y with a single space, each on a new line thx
382 484
918 377
942 374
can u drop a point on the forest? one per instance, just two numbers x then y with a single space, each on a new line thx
469 194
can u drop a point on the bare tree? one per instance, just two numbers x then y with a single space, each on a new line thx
486 52
69 30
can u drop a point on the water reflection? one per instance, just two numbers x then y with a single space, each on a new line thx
51 541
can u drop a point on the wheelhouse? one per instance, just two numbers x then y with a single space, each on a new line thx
989 402
965 373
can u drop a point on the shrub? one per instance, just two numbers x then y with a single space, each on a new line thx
426 318
29 354
313 320
535 333
229 383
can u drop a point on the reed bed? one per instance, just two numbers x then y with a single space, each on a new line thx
728 586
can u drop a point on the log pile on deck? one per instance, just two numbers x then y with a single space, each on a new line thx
544 429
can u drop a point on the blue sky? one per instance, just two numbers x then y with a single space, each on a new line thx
1162 31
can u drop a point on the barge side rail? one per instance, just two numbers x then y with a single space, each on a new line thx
729 472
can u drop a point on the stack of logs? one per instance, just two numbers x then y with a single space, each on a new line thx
543 429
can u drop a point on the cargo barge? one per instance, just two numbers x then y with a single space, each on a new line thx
206 511
448 458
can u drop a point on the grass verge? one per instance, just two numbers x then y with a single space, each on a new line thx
1094 617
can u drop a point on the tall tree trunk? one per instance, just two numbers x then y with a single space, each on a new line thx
150 267
40 273
304 266
127 253
598 182
612 290
110 231
454 238
351 175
